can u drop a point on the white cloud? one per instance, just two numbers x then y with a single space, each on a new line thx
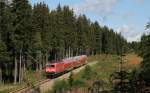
105 8
102 8
131 33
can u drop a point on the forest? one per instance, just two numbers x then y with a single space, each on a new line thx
32 36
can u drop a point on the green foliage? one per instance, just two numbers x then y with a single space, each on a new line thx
60 87
100 71
88 73
71 80
33 29
4 22
145 53
38 33
148 25
134 46
141 74
4 56
21 10
78 83
41 27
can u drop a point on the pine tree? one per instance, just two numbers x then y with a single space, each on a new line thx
145 53
4 57
4 24
105 40
69 29
21 11
82 33
98 38
57 32
41 34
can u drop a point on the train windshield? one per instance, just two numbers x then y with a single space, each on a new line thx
50 65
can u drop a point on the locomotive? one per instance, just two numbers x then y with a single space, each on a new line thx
65 65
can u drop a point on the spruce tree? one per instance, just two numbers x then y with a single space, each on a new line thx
4 24
41 34
69 30
145 53
21 10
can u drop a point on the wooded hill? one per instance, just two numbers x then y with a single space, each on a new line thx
30 36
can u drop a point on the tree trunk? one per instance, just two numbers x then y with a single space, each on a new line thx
66 53
0 74
46 56
41 59
20 65
37 63
92 52
16 71
76 51
55 57
23 68
69 52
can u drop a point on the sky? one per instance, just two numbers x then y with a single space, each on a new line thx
126 16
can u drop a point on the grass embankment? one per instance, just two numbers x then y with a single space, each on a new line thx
105 66
32 77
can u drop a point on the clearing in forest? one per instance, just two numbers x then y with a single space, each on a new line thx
131 61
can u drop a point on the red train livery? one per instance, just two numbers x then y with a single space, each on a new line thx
65 65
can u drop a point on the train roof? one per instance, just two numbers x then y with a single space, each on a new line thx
67 59
71 58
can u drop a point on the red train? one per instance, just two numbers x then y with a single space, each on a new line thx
67 64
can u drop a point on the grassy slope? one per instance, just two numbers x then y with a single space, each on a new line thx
107 64
31 77
131 61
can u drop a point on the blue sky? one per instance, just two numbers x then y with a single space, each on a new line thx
126 16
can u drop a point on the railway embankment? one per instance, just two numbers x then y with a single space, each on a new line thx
47 84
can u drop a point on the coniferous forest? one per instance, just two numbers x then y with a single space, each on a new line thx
32 36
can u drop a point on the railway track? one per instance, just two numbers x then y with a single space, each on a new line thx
46 84
31 88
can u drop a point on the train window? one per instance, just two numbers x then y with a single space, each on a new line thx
50 65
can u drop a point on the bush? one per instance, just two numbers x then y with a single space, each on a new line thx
70 80
60 87
78 83
88 73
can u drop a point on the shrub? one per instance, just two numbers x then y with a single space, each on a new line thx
60 87
88 73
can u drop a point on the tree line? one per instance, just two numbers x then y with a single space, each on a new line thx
137 80
140 76
32 36
142 48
